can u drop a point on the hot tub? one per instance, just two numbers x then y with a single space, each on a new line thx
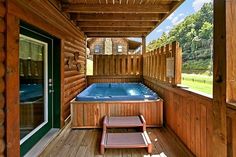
115 99
117 92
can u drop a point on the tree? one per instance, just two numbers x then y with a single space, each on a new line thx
206 31
196 26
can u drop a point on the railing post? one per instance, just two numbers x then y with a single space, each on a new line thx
143 45
176 52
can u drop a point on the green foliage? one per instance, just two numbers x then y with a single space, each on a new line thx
195 37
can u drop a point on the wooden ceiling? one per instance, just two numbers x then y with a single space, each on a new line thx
118 18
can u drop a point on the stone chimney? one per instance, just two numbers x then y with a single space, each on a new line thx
108 46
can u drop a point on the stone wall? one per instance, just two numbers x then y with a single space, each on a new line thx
115 42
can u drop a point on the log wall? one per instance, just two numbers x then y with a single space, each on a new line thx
74 71
45 16
2 75
231 131
73 44
187 115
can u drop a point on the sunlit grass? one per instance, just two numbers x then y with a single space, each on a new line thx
201 83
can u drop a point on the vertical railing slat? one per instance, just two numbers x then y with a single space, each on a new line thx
154 63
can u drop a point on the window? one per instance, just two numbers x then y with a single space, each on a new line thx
119 48
97 49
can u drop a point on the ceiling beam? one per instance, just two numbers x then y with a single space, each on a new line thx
116 24
116 8
116 17
118 34
115 29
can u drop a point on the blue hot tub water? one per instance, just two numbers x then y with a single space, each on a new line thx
116 92
30 92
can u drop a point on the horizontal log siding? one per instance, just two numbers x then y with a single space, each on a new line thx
2 75
73 58
187 115
43 15
74 70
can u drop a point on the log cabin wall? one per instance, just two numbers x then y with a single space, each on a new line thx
74 71
2 75
45 16
72 44
113 46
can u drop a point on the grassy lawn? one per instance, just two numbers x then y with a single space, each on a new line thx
200 83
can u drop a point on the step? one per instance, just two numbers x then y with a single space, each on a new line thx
124 122
125 140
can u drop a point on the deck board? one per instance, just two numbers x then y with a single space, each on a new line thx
85 142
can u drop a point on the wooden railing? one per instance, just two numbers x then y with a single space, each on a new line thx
187 114
112 65
164 63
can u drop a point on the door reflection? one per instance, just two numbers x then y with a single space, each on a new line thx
32 108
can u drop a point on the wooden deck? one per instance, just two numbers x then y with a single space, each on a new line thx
85 143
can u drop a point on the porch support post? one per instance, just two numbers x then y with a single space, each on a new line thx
143 44
12 86
218 112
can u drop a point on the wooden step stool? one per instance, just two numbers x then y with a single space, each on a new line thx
125 140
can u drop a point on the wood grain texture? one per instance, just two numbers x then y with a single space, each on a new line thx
103 65
231 132
74 71
91 114
85 142
73 44
50 20
218 112
119 13
114 79
154 63
187 115
2 75
231 75
12 87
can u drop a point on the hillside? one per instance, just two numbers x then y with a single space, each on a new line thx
195 37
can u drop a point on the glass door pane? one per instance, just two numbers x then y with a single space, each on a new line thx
33 86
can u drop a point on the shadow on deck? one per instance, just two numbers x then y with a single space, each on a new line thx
86 142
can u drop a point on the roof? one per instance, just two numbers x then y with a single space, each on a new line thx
132 44
118 18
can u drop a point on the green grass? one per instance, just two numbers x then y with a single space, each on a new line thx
201 83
